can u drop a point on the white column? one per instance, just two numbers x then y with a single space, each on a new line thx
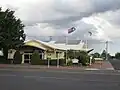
22 58
45 55
48 62
90 60
58 59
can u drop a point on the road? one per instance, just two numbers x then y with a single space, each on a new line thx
115 63
58 80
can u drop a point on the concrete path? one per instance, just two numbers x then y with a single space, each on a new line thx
105 65
115 63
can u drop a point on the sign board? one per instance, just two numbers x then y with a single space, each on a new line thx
1 53
75 60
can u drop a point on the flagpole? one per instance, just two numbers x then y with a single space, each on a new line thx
66 39
66 42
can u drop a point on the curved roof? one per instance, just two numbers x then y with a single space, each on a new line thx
34 43
53 45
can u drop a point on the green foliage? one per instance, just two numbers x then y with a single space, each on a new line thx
74 54
2 60
69 63
93 60
82 56
11 31
109 56
103 54
17 57
35 59
71 54
117 55
96 55
84 59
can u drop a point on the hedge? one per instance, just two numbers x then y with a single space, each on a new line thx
51 62
17 57
4 61
35 59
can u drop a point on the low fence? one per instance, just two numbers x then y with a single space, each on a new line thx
52 62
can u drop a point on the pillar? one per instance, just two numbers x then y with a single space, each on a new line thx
22 58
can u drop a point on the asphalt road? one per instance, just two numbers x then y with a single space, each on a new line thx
58 80
115 63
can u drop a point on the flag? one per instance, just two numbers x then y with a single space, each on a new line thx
71 30
90 33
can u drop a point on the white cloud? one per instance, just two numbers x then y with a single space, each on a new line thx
100 26
54 17
40 30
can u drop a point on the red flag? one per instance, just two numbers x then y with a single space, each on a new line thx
71 30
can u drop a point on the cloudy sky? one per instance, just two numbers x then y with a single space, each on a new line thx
54 17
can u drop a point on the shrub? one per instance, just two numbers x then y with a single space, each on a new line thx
2 60
35 59
93 60
69 63
17 58
62 62
84 59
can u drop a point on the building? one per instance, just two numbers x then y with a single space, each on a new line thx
52 49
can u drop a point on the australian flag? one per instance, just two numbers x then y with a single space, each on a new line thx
71 30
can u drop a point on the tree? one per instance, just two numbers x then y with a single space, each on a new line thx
82 56
103 54
109 56
71 54
117 55
96 55
11 31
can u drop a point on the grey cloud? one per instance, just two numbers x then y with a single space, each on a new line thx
69 13
61 16
105 5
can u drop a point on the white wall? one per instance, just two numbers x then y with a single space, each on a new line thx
11 53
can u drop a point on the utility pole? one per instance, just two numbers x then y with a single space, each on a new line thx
106 50
50 38
90 33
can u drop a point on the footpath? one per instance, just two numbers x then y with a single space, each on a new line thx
103 65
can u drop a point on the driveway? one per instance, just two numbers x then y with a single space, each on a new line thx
115 63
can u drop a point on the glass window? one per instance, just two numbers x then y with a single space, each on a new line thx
40 56
26 61
26 56
30 56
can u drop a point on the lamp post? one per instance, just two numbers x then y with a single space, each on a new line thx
106 50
